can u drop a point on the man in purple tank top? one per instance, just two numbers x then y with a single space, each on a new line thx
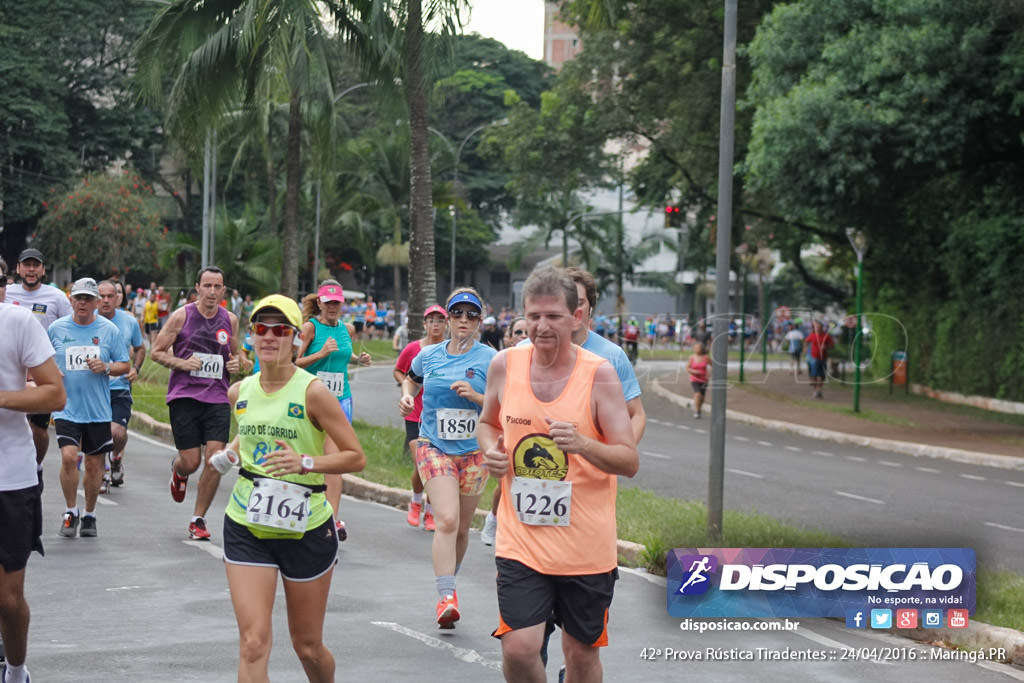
199 344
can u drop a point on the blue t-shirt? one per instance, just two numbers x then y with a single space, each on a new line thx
132 336
439 370
614 354
88 392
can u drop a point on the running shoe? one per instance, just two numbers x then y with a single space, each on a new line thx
490 527
88 527
197 530
342 531
428 521
178 485
68 525
415 509
448 611
116 471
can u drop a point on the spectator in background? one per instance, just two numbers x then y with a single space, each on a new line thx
794 347
491 335
818 344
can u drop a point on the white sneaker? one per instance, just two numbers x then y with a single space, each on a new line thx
490 528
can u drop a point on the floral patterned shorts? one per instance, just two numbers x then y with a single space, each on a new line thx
468 469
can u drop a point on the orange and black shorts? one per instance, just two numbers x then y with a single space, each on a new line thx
578 604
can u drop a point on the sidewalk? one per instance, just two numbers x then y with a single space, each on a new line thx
897 422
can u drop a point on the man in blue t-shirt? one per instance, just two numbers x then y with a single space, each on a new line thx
121 387
89 351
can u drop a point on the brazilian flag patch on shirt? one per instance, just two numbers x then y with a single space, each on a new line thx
240 407
296 410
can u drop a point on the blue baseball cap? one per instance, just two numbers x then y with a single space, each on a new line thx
466 298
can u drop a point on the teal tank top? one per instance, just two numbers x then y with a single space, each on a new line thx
333 370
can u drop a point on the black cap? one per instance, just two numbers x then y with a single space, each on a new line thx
31 253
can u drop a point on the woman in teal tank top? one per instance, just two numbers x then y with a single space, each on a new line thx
291 433
326 352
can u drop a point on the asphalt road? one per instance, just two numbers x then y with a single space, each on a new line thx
870 497
143 603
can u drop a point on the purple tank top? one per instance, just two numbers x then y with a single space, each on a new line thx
211 340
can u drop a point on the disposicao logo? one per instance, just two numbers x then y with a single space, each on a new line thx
817 582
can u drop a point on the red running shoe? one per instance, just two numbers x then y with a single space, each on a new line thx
178 485
197 530
448 611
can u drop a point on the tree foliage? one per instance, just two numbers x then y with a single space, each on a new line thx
107 225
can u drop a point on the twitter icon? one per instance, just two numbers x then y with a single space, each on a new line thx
881 618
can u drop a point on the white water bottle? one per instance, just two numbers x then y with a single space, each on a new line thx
224 460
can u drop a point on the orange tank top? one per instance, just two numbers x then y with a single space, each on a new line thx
588 544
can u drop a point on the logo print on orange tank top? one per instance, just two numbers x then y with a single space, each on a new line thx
536 456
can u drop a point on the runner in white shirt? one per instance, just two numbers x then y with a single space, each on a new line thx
25 350
48 303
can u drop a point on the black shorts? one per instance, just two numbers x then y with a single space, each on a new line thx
358 326
41 420
121 406
298 559
92 438
699 387
412 431
21 527
151 328
194 423
579 604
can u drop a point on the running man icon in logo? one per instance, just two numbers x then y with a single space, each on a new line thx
696 581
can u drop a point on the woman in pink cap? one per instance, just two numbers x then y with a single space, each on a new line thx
326 352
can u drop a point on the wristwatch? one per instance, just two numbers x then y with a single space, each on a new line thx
307 464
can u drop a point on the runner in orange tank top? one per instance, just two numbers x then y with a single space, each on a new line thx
555 430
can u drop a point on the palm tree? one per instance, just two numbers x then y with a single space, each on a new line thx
220 53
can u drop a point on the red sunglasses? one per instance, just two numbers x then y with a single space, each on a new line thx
277 329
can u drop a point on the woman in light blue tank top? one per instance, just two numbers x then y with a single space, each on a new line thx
326 352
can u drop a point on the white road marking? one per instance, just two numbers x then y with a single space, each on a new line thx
1004 527
766 444
147 439
856 497
890 463
214 550
1015 483
745 474
795 449
929 470
856 458
741 438
825 454
102 500
460 653
973 477
659 456
700 431
683 427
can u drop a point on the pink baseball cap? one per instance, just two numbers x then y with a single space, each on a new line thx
331 293
435 309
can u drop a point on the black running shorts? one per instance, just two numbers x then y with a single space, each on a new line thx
41 420
194 423
412 431
21 527
298 559
92 438
121 406
579 604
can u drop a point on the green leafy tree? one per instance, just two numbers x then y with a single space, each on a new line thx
66 106
107 225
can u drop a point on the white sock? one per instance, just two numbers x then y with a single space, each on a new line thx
427 508
73 511
15 674
197 518
89 514
417 498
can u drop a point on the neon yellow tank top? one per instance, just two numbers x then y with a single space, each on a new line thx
263 419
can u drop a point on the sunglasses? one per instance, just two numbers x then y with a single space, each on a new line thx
277 329
462 313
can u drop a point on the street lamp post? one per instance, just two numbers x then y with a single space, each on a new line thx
741 251
455 180
859 240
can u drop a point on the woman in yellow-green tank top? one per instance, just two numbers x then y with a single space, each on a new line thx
278 520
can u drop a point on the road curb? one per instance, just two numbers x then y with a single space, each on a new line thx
894 446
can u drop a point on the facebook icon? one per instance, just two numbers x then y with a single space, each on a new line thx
855 618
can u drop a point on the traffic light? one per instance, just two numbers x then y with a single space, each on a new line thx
673 217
